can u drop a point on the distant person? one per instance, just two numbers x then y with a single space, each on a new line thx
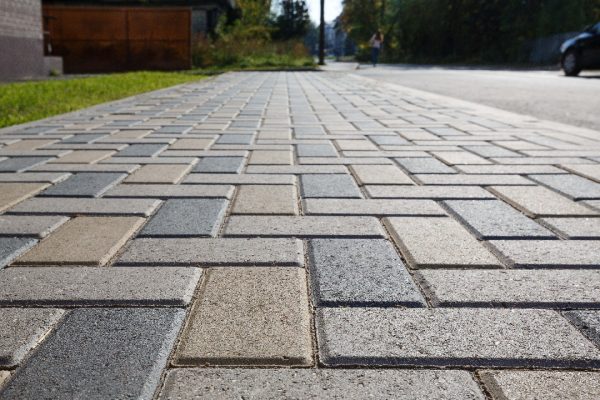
376 42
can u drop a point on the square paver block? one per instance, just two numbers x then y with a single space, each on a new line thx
428 192
538 201
83 241
438 242
494 219
303 226
85 184
232 165
266 199
213 252
13 193
159 173
515 288
588 323
380 175
360 272
316 150
28 225
84 206
551 253
573 186
254 316
21 329
547 385
13 247
186 217
380 207
18 164
325 185
270 157
573 228
158 191
427 165
356 384
83 157
90 286
463 337
141 150
100 354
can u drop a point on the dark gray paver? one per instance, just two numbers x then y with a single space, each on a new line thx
323 185
494 219
18 164
588 323
575 228
141 150
160 191
29 225
428 165
84 184
360 272
220 165
316 384
90 286
229 138
573 186
316 150
85 206
21 329
84 138
551 253
100 354
464 337
13 247
186 217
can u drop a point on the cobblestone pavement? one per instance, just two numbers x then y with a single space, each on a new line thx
299 236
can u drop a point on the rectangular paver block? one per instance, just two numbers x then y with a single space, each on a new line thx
324 185
84 157
553 254
573 186
266 199
254 316
381 207
29 225
192 144
13 247
19 164
12 193
141 150
380 175
573 228
84 184
316 150
270 157
231 165
159 191
428 192
427 165
85 206
241 179
473 180
159 173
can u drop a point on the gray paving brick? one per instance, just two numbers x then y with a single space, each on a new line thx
21 329
141 150
377 207
223 329
296 169
99 354
360 272
489 151
427 165
84 138
235 139
18 164
149 160
514 288
573 186
220 164
574 228
13 247
588 323
380 175
186 218
509 169
90 286
84 184
266 199
42 177
271 384
473 180
213 252
26 225
383 140
322 185
553 254
465 337
316 150
590 171
547 385
493 219
239 179
159 191
428 192
460 157
85 206
125 168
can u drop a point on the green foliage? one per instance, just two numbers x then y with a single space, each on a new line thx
293 20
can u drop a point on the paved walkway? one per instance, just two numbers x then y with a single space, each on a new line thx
281 235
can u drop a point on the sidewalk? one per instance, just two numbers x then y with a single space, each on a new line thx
299 236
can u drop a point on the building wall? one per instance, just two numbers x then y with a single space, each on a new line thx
21 39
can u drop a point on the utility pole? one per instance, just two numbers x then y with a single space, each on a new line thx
322 35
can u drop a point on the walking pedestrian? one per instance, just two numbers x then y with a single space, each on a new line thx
376 42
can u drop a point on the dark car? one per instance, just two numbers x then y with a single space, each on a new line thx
582 51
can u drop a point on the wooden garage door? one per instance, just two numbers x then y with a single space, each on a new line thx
119 39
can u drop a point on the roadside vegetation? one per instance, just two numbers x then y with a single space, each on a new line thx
28 101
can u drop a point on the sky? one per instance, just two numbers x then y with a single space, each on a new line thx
333 8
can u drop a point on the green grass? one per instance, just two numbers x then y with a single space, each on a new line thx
29 101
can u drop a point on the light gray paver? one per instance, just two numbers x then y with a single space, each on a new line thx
451 337
90 286
315 384
266 199
242 179
315 150
158 191
21 329
575 228
84 184
99 354
253 316
322 185
13 247
44 177
380 175
590 171
296 169
231 165
84 206
428 165
552 254
27 225
472 180
391 207
428 192
573 186
588 322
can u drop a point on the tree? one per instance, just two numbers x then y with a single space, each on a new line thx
292 21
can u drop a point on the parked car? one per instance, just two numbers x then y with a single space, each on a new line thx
581 52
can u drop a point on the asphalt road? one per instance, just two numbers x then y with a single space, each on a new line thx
544 94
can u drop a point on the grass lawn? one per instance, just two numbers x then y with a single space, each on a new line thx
29 101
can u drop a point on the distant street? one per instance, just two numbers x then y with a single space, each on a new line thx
543 94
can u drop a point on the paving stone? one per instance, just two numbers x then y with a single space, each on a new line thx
380 175
83 157
316 150
41 177
438 242
460 157
322 185
27 144
149 160
84 138
241 179
514 288
296 169
266 199
489 151
21 330
463 337
159 174
254 316
89 286
383 140
428 165
186 218
83 206
213 252
493 219
541 160
271 384
83 241
141 150
270 157
126 168
509 169
360 272
572 186
574 228
547 385
192 144
26 225
19 164
344 161
159 191
100 353
231 165
303 226
428 192
588 323
235 139
84 184
553 254
472 180
13 247
590 171
538 201
372 207
12 193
